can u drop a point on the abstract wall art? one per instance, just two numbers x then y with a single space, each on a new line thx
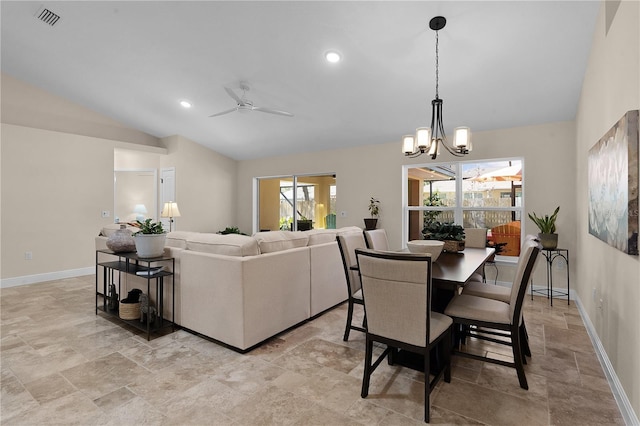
613 185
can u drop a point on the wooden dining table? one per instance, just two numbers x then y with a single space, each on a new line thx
452 270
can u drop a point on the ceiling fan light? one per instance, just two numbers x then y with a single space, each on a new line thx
185 104
408 143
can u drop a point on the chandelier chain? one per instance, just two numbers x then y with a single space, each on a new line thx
437 67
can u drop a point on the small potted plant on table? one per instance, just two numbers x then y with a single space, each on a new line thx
370 223
150 239
547 226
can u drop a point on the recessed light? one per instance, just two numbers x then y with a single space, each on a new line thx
185 104
332 56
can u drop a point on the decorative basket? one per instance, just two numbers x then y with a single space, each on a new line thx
129 311
453 246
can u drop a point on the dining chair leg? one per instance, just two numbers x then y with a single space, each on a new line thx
349 317
524 338
446 349
368 355
517 356
427 386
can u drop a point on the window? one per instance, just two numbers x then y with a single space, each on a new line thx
486 194
296 203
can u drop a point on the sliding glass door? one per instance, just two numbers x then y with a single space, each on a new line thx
296 203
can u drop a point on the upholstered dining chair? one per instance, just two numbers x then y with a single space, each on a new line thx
503 294
476 238
397 302
494 320
376 239
348 243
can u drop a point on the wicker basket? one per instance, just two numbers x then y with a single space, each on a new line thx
453 246
129 311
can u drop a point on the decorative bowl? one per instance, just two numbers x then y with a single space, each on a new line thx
432 247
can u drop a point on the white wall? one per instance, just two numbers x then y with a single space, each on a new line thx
611 88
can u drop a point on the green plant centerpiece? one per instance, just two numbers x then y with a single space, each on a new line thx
374 210
150 239
449 232
231 230
547 226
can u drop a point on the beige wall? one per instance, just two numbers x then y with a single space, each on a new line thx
206 185
611 88
54 188
376 170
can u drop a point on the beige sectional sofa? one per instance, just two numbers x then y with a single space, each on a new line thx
241 290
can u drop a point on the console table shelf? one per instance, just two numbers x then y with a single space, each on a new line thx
132 264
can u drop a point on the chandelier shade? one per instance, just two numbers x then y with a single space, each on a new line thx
427 140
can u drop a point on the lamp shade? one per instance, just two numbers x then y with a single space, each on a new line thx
170 209
140 210
407 144
423 138
462 138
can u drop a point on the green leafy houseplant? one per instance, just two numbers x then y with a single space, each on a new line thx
546 224
443 231
231 230
374 207
147 227
370 223
150 239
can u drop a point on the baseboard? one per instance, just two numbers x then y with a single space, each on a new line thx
49 276
629 416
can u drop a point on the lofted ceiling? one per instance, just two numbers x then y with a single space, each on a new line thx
502 64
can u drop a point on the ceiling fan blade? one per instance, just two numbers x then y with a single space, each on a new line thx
224 112
273 111
234 96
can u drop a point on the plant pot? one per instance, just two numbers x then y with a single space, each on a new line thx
453 246
305 225
150 245
548 241
370 223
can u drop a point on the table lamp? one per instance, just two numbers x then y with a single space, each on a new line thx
170 210
140 211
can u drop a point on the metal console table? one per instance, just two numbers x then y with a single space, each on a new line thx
550 256
130 263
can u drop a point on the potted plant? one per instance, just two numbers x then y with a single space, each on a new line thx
374 210
304 224
449 232
149 239
547 226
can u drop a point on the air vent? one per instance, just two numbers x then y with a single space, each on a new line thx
47 16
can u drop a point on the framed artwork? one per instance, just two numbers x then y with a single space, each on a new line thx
613 185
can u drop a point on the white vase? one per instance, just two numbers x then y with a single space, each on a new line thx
150 245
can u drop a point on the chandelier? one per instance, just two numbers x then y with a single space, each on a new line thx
427 140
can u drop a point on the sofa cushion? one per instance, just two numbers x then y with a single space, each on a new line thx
273 241
321 236
349 229
230 245
178 239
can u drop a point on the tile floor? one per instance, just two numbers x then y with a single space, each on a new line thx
62 364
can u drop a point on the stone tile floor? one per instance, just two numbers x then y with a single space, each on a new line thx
62 364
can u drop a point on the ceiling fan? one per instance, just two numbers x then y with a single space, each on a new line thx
244 104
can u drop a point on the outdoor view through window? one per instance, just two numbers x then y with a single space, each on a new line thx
485 194
297 203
